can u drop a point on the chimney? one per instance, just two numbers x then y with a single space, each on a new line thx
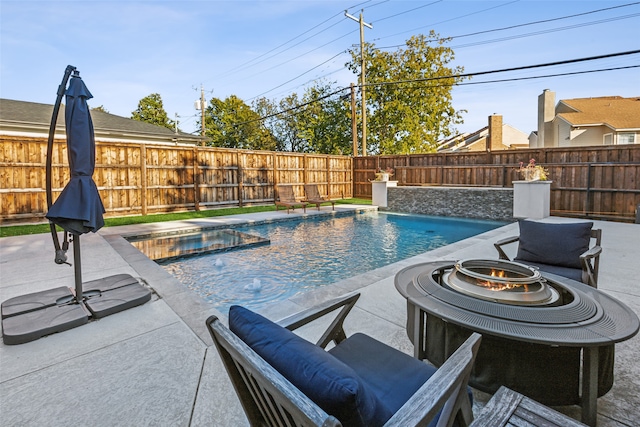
494 142
546 114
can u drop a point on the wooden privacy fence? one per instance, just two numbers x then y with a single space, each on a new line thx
143 179
599 182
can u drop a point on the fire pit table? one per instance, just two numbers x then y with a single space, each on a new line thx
545 336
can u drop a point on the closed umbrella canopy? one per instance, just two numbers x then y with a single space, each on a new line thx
79 208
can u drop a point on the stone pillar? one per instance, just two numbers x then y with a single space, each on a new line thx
379 192
531 199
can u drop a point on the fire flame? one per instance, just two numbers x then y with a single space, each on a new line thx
493 286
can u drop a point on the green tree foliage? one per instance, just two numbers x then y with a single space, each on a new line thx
151 110
319 122
233 124
326 123
408 95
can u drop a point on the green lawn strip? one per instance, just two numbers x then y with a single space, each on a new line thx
20 230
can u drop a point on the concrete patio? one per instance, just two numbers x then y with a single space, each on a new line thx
154 365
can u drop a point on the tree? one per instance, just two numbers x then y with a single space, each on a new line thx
319 122
151 110
325 123
409 102
233 124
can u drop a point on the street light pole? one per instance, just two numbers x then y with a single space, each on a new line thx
362 78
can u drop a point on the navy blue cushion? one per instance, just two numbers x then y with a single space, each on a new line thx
556 244
571 273
331 384
392 375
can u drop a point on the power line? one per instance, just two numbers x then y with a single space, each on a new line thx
510 27
503 70
408 11
298 76
470 34
524 67
452 19
553 30
542 21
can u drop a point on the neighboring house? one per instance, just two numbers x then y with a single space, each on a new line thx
607 120
30 119
495 136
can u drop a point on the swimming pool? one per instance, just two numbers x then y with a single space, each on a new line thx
313 252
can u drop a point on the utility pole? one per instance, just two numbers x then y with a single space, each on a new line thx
362 78
354 125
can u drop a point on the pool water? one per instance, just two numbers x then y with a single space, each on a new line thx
309 253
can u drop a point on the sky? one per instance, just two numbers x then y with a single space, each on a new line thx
126 50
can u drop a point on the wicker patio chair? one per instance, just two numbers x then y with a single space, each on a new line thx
558 248
287 198
282 379
313 196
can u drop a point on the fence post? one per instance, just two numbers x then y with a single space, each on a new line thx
196 180
587 198
328 167
143 178
239 178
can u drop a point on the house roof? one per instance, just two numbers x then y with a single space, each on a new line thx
614 111
462 140
33 118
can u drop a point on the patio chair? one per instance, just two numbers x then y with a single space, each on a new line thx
558 248
282 379
313 196
510 408
287 198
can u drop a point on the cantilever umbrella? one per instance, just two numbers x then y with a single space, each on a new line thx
78 209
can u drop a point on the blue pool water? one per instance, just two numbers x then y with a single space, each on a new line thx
306 254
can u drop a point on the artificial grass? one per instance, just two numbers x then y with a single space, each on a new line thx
20 230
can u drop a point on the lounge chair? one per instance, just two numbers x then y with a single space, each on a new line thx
558 248
282 379
313 196
287 199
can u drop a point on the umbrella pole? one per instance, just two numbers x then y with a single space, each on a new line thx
77 267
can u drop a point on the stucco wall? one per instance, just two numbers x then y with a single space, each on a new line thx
465 202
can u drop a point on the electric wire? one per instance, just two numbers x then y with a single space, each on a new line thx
526 24
481 32
473 74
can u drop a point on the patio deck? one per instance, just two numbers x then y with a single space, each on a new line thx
155 364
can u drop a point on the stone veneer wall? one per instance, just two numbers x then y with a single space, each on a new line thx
466 202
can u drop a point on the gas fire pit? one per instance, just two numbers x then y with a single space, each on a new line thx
501 281
548 337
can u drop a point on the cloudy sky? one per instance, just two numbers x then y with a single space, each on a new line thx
126 50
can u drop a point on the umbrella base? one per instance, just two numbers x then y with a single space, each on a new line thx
30 317
113 294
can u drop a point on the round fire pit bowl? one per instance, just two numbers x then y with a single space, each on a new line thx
500 281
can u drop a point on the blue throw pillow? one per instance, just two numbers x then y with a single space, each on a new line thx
553 243
331 384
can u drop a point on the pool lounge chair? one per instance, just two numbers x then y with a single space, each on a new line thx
313 196
287 199
558 248
282 379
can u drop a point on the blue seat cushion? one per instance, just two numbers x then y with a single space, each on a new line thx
571 273
330 383
393 376
553 243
